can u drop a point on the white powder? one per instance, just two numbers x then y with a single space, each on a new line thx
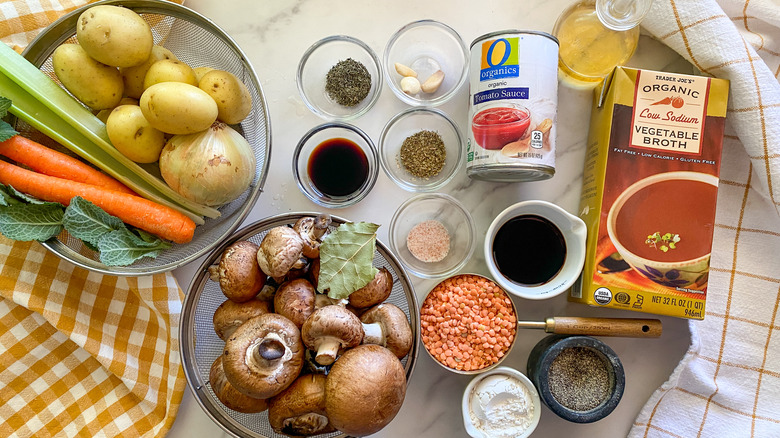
501 406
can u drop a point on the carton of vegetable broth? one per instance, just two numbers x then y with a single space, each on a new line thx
649 192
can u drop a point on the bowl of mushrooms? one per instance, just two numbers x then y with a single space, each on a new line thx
279 339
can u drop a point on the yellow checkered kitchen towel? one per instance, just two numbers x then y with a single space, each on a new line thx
81 354
728 383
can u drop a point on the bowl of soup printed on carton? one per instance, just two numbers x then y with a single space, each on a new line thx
650 191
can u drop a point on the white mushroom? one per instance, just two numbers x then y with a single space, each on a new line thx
330 328
386 325
364 390
280 250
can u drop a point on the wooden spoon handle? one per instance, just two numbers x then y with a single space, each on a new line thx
625 327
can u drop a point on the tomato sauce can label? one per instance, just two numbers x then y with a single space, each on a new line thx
513 98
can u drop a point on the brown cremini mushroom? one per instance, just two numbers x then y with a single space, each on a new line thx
314 272
263 356
330 328
376 291
364 390
386 325
312 230
238 273
231 397
230 315
299 410
295 300
280 251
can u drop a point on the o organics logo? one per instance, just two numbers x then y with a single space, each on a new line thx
675 102
499 59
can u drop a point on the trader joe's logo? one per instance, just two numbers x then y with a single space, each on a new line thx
499 59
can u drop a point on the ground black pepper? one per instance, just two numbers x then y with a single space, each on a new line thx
348 82
579 379
423 154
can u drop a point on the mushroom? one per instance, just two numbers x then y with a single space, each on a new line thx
229 315
263 356
231 397
312 229
314 272
376 291
386 325
299 410
280 250
322 300
364 390
330 328
295 300
238 273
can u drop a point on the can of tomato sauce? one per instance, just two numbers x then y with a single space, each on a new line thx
513 99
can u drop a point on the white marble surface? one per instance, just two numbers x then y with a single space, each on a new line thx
275 34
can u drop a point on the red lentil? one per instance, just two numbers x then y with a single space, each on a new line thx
457 327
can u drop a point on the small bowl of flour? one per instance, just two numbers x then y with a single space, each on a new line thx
501 403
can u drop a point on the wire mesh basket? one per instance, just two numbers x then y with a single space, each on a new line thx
200 345
196 41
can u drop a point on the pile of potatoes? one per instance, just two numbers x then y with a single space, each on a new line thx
141 90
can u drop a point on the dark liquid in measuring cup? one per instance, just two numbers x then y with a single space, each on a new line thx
338 167
529 250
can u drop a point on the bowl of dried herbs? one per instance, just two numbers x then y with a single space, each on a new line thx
421 149
339 78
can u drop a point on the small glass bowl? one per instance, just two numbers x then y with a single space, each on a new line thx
412 121
427 46
455 218
317 136
319 59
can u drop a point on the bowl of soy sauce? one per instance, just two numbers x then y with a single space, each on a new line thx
535 249
335 164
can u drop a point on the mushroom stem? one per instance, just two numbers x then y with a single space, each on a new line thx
265 353
270 349
321 224
374 333
327 350
307 424
322 300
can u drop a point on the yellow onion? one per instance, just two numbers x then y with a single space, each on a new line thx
212 167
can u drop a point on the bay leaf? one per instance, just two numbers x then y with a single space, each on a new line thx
346 259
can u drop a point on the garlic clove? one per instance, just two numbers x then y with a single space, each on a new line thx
410 85
404 70
433 82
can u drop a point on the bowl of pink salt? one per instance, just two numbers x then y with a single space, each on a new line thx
433 235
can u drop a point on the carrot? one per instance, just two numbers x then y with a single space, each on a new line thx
50 162
157 219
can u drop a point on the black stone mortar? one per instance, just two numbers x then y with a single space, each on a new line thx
538 367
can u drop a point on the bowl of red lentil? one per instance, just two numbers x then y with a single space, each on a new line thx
421 149
468 324
433 235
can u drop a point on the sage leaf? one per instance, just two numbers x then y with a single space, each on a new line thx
88 222
27 222
346 259
122 247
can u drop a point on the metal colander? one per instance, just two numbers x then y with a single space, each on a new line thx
196 41
200 345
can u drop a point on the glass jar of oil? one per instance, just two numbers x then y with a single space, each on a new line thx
597 35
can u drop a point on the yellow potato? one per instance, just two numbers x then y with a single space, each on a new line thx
233 99
133 136
178 108
134 76
200 72
114 35
169 70
103 114
96 85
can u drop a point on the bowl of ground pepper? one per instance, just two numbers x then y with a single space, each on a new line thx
433 235
421 149
579 378
339 78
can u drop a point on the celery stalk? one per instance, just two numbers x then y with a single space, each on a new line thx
43 104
